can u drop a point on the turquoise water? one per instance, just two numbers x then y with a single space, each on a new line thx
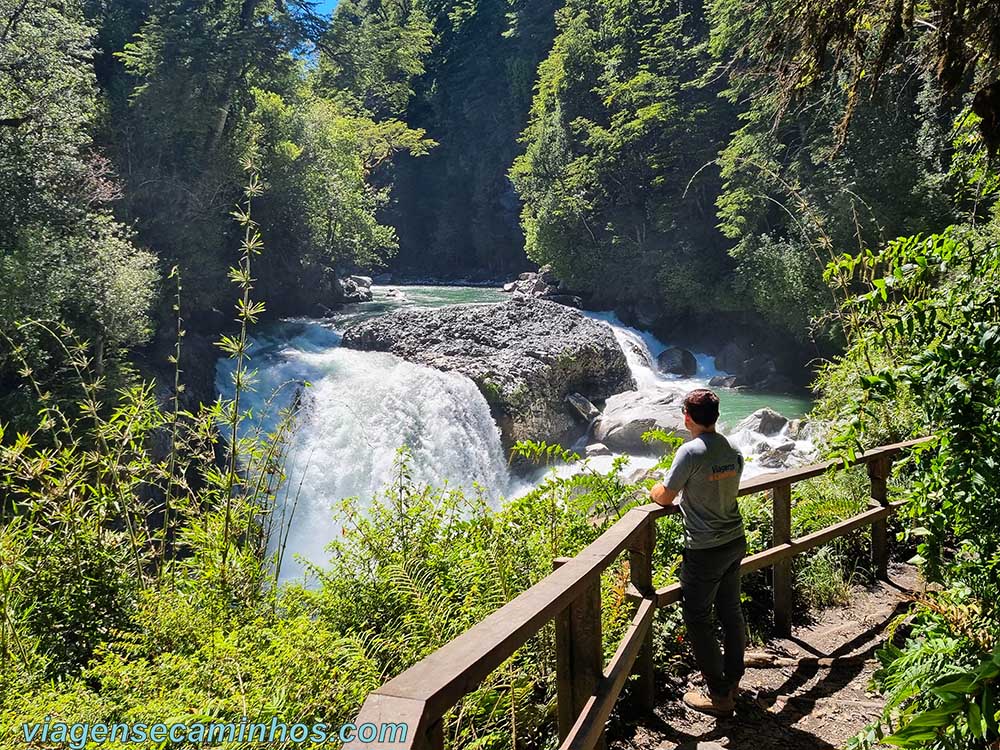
736 405
389 298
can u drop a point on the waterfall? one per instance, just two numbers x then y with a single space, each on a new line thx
641 350
358 410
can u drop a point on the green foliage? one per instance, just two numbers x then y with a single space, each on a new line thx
923 331
933 301
542 453
376 51
940 684
795 196
618 127
184 622
62 255
668 442
456 212
855 46
821 580
319 156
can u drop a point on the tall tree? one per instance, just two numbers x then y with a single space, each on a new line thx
62 255
789 46
456 210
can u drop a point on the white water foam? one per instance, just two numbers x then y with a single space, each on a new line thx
360 409
641 349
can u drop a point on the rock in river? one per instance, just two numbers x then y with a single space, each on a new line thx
525 356
628 415
765 421
677 361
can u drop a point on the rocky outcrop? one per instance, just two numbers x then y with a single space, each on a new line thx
765 421
639 313
627 416
799 429
596 449
582 406
543 285
775 457
526 356
677 361
723 381
355 289
731 357
771 441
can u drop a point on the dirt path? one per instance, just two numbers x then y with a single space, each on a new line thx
807 691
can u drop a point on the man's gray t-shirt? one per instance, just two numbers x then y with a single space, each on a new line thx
707 470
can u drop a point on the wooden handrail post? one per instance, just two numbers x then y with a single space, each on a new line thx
579 656
781 574
641 570
878 474
564 666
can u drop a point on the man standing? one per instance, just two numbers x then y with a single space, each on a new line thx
706 473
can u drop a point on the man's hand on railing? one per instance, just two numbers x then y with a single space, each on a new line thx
664 496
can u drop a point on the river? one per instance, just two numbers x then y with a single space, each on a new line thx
360 407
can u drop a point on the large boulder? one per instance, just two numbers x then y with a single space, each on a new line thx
352 291
596 449
732 358
775 457
723 381
763 421
677 361
361 281
627 416
758 369
642 313
526 356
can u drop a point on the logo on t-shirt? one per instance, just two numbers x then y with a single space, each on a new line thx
722 471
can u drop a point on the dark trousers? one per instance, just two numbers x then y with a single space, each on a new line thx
711 578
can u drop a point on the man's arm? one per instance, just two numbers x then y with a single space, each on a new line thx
664 496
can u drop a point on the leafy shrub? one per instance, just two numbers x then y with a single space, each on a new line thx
929 306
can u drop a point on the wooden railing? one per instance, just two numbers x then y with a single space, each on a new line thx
587 689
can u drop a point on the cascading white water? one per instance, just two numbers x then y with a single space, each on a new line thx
360 408
641 349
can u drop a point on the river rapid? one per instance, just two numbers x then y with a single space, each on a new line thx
359 408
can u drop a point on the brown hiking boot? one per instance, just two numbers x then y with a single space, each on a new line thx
713 705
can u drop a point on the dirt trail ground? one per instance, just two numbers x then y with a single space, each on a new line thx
808 691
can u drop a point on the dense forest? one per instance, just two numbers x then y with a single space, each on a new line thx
823 174
622 145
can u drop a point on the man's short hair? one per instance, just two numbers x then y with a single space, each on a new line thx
702 405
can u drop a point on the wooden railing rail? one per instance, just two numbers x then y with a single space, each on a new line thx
587 690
